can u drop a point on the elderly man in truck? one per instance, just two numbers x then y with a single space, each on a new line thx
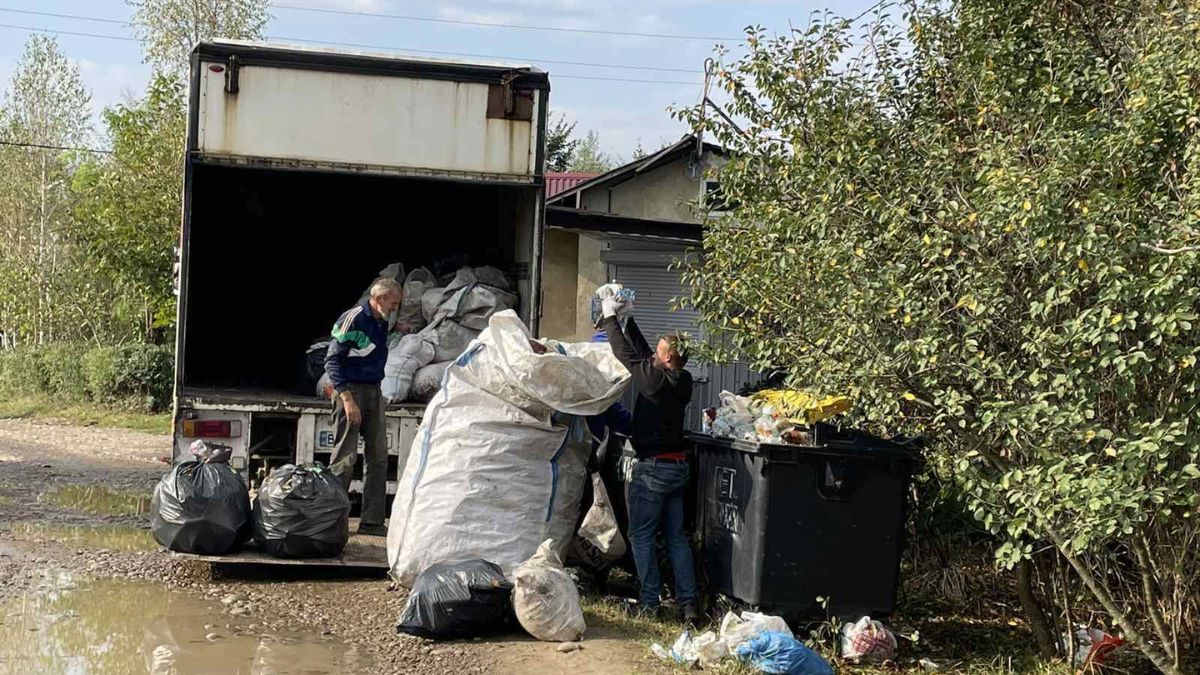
355 360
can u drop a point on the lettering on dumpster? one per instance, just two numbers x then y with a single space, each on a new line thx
729 517
726 492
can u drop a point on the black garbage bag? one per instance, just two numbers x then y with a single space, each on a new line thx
302 512
201 507
458 600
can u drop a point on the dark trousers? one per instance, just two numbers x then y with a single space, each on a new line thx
345 449
656 501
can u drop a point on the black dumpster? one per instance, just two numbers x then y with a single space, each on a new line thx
782 525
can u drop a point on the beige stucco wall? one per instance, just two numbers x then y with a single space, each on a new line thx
663 194
592 273
559 272
667 193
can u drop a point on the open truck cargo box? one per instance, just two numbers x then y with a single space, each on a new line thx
308 171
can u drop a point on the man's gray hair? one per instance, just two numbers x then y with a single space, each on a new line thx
384 285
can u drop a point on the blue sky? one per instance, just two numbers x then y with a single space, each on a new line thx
621 112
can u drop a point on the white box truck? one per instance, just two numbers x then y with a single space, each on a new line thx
307 172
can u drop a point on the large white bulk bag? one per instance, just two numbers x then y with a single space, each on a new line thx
499 461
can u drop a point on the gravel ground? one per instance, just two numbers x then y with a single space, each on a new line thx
37 458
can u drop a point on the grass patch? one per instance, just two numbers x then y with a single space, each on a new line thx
89 414
99 500
980 645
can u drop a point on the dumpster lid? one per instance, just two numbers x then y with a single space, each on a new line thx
825 440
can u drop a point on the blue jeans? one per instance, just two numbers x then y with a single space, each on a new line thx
656 497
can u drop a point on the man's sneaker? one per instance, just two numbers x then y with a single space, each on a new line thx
372 530
691 615
636 610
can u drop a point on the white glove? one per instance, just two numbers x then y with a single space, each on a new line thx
609 307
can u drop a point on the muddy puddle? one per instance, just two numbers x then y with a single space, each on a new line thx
99 500
111 627
92 536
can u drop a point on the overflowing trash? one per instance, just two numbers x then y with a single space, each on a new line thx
201 506
500 458
1093 646
709 648
867 641
545 598
770 416
782 654
458 600
302 512
598 543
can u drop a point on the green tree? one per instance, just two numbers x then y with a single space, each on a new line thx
45 105
982 226
169 29
560 147
128 204
590 157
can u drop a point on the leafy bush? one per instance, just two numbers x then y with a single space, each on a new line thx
135 376
143 373
983 229
63 369
23 370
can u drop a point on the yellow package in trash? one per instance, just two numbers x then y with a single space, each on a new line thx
802 407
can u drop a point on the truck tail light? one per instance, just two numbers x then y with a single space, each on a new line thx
212 428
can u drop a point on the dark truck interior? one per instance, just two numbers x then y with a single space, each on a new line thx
276 256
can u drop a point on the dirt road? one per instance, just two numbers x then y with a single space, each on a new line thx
79 562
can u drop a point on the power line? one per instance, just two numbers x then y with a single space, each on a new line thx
530 59
42 146
95 19
34 29
511 26
534 59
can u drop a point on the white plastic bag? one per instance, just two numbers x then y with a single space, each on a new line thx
709 649
735 630
405 358
409 318
545 599
452 338
431 300
867 640
428 381
500 459
598 543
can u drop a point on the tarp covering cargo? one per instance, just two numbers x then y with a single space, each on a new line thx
499 462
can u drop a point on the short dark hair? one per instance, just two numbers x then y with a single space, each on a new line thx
677 342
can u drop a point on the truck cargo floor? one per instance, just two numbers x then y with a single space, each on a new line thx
360 551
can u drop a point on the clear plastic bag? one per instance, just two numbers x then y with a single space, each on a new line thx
867 640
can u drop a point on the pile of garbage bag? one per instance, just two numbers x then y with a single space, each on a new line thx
201 506
500 459
436 323
458 600
302 512
763 641
438 318
771 416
